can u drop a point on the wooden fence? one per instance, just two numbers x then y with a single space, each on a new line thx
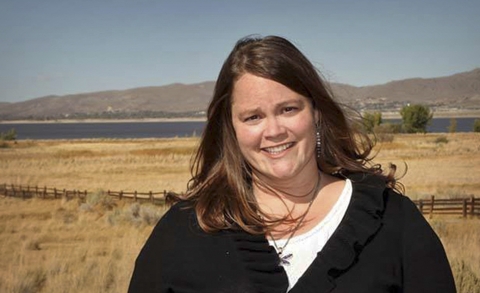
453 206
25 192
456 206
40 192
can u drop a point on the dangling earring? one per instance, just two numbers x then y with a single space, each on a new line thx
319 142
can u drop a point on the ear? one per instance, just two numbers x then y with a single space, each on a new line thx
316 116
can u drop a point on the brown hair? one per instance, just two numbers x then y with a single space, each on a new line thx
221 184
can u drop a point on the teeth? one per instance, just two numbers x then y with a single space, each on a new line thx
278 149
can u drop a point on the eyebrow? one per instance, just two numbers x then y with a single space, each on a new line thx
247 112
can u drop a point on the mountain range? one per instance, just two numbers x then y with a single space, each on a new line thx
453 94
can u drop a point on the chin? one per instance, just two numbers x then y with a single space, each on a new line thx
282 175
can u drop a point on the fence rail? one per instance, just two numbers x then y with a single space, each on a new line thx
456 206
453 206
26 191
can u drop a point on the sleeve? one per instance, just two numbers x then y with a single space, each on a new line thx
153 265
425 265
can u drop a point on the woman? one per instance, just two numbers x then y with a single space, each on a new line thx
284 196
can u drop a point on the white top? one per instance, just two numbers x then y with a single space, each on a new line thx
305 247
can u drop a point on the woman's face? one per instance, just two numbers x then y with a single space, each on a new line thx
275 128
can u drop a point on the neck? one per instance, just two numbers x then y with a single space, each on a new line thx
274 198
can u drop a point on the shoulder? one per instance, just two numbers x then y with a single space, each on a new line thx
181 213
177 224
373 202
372 189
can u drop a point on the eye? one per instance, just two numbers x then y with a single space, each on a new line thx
251 118
289 109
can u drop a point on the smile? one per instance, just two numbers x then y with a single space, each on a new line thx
278 149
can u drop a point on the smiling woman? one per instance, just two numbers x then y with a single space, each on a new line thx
284 196
275 130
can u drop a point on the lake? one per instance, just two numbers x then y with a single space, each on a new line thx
114 130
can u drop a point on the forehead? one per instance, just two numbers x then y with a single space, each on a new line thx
251 89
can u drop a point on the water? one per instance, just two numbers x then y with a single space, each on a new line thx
157 129
105 130
441 124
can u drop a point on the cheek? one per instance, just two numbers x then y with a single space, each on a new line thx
309 133
304 125
247 138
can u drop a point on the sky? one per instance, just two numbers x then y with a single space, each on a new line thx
60 47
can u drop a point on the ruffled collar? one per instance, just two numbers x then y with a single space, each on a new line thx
261 263
361 222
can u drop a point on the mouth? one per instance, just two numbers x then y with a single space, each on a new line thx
278 149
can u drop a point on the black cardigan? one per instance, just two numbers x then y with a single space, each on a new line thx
383 244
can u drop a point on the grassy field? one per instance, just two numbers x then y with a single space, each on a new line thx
71 246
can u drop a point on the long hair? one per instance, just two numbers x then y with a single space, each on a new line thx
221 184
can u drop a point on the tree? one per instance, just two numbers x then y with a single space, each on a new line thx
452 128
9 135
370 120
476 125
416 118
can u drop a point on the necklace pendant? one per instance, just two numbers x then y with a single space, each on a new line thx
285 259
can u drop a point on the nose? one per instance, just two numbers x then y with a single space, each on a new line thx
274 128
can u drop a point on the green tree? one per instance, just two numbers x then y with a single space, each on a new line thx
370 120
452 128
416 118
9 135
476 125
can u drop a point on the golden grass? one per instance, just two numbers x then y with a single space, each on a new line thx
69 246
461 239
55 246
442 169
142 165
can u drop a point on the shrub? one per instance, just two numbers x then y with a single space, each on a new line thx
371 120
100 199
441 139
385 132
452 128
9 135
476 125
416 118
136 214
150 215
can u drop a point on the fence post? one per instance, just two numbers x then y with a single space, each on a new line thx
464 208
120 195
472 202
44 192
420 206
13 190
135 196
85 198
55 192
431 207
151 197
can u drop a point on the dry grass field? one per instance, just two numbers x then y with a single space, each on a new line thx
72 246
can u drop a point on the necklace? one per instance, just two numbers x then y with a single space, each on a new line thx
285 259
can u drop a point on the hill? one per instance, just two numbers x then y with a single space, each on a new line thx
455 93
